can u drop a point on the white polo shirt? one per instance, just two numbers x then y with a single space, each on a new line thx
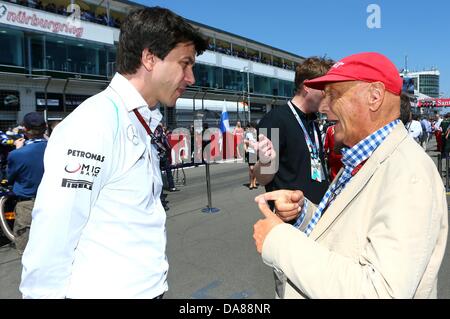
98 228
414 129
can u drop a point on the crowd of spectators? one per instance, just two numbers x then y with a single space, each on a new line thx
85 15
249 56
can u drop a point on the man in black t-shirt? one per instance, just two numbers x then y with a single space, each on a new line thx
291 150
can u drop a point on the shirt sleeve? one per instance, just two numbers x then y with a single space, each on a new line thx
306 213
77 162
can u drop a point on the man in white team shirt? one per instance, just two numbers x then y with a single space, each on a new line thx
98 228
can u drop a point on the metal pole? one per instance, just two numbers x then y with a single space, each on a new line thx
208 184
237 110
406 64
108 14
64 94
248 90
46 101
30 67
209 209
243 106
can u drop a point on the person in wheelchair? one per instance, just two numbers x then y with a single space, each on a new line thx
25 169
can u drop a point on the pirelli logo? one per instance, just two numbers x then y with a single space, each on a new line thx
74 183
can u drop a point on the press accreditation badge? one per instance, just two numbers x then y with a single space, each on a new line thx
316 170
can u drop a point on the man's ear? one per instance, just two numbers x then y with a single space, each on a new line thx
377 92
148 59
304 90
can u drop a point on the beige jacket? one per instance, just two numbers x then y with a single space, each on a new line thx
384 236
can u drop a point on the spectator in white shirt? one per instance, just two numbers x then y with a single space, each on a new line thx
437 124
414 128
98 228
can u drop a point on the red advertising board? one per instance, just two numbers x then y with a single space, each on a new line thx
433 103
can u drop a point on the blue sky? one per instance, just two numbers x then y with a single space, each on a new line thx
337 28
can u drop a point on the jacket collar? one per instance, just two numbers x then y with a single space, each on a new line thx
358 182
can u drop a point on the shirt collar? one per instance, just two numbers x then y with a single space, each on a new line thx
153 117
131 97
352 157
134 100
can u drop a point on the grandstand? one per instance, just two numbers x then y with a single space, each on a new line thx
59 52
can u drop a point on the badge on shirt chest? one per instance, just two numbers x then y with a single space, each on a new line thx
316 170
132 134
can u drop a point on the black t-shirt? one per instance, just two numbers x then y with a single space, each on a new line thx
294 170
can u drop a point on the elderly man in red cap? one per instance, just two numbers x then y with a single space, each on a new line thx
381 228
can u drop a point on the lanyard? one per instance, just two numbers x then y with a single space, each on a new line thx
144 124
313 148
159 145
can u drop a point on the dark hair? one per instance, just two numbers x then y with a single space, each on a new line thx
37 131
157 29
405 108
311 68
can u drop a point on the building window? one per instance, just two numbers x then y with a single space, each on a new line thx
12 47
73 101
55 101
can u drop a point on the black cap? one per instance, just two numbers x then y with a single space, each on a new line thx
33 120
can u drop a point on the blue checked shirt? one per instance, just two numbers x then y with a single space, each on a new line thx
351 159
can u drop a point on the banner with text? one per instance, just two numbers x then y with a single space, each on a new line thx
70 26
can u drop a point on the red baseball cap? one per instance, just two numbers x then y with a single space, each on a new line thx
367 67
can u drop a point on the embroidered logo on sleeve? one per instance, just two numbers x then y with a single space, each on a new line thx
82 174
82 169
72 168
88 155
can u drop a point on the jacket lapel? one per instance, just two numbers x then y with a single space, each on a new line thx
357 183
